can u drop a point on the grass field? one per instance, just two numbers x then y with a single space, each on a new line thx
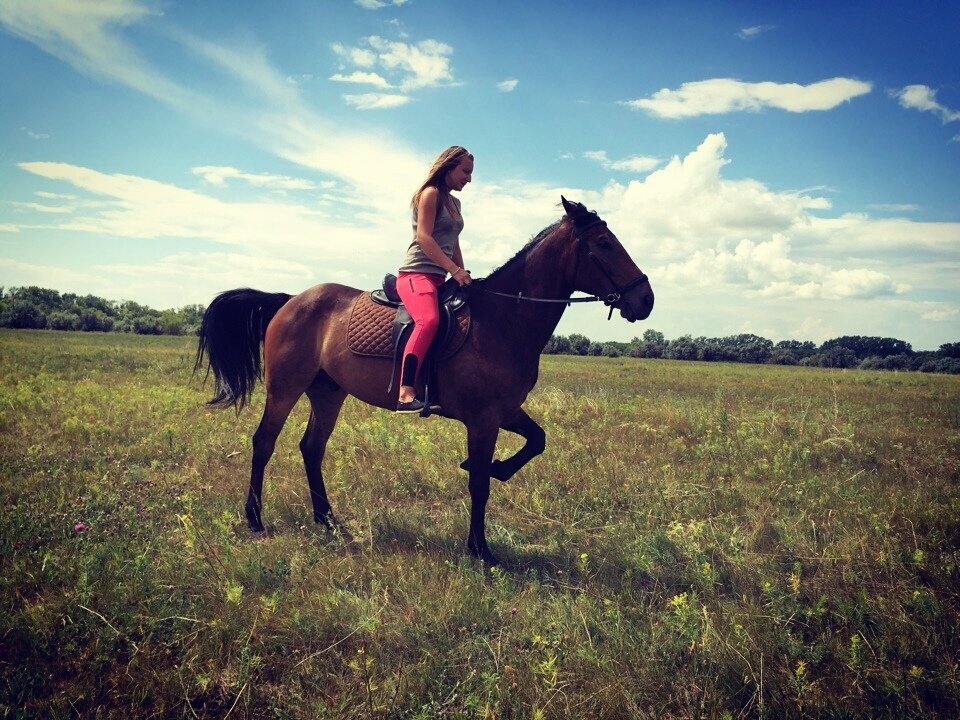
698 541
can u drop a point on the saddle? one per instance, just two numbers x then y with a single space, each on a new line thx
380 327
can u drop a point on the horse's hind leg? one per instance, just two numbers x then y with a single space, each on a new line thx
536 441
326 398
275 412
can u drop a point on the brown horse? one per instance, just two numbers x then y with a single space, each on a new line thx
514 311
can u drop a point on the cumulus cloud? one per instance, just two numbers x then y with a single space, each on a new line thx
767 269
923 98
387 64
724 95
415 66
508 85
633 164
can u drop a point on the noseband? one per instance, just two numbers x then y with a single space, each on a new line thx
618 290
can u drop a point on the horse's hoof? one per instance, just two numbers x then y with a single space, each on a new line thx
485 556
258 533
496 469
335 529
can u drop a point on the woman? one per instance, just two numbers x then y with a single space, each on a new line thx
434 252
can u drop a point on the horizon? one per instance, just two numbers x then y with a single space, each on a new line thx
4 293
773 170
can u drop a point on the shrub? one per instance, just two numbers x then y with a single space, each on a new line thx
22 314
61 320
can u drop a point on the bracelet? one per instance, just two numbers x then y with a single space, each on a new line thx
456 270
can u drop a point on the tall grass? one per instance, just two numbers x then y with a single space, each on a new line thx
698 541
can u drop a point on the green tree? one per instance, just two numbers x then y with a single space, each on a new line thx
17 313
683 348
62 320
45 300
579 344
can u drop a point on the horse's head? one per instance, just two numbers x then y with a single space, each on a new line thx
604 268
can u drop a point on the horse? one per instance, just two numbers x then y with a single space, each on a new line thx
513 313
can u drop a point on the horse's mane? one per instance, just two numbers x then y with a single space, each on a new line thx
521 255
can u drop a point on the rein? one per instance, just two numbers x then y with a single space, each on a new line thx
609 300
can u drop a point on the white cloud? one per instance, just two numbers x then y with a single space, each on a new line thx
816 329
297 79
218 175
35 135
724 95
633 164
508 85
376 101
170 281
894 207
86 36
361 78
923 98
136 207
748 33
414 66
38 207
939 312
769 270
379 4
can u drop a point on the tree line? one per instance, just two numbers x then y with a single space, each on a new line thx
39 308
849 351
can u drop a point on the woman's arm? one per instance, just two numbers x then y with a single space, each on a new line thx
458 255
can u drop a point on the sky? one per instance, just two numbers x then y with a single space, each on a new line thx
785 169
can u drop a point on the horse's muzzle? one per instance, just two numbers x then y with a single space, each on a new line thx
638 309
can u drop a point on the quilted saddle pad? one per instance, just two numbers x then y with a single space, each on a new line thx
370 329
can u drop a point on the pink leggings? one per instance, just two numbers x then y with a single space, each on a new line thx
419 294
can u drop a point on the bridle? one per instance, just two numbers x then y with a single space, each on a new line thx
610 300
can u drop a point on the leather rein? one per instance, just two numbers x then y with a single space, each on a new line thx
609 300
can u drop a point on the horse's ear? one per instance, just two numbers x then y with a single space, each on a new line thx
568 207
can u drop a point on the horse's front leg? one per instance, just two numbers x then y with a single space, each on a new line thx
481 441
536 441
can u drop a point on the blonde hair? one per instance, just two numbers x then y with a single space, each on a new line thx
445 162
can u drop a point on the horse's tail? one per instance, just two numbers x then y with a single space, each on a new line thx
231 334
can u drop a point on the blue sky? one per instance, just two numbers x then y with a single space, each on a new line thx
788 170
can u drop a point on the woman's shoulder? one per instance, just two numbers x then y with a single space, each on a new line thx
429 194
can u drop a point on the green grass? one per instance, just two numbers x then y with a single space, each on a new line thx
698 541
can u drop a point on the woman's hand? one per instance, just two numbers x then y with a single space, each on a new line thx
462 277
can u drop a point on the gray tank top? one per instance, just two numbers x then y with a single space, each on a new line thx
446 231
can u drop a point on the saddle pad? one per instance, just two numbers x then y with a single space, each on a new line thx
369 331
